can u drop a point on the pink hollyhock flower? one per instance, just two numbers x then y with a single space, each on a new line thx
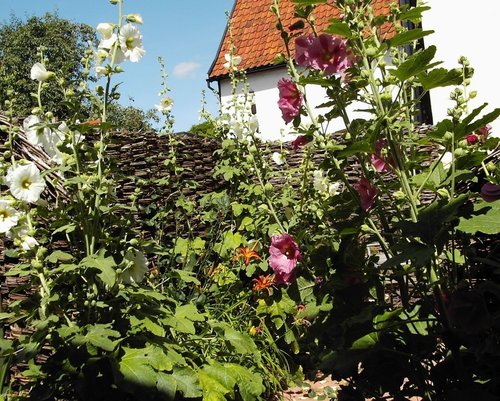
302 46
290 99
284 254
482 133
324 52
471 139
300 141
380 161
367 193
490 192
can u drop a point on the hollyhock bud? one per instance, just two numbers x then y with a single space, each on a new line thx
284 255
367 193
290 99
300 24
136 18
490 192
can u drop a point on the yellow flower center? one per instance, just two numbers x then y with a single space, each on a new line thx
26 183
3 214
130 43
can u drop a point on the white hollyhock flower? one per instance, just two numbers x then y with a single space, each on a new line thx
43 137
64 132
232 61
165 105
39 73
447 160
106 47
108 37
131 43
25 182
323 185
334 188
278 158
21 237
35 136
28 243
8 215
137 267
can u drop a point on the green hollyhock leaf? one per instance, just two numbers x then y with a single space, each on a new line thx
135 366
339 28
249 383
61 256
190 312
241 342
106 266
187 382
415 64
213 390
222 374
414 14
166 385
486 219
407 37
367 341
101 336
440 77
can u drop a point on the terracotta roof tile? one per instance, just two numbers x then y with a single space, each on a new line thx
256 38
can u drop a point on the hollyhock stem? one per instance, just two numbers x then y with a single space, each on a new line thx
400 171
261 182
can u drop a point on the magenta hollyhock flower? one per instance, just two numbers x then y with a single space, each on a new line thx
324 52
290 99
367 193
380 161
284 255
300 141
471 139
490 192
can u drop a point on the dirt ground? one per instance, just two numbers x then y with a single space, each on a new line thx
321 389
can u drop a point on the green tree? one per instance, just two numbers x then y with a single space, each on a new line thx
207 129
130 118
65 43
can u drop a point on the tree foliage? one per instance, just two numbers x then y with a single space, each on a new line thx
65 43
130 118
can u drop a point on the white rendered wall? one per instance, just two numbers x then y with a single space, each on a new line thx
271 124
471 29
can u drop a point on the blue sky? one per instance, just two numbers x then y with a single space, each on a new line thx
186 33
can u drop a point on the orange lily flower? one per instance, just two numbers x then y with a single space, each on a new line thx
263 283
247 254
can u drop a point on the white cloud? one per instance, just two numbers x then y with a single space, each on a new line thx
186 69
